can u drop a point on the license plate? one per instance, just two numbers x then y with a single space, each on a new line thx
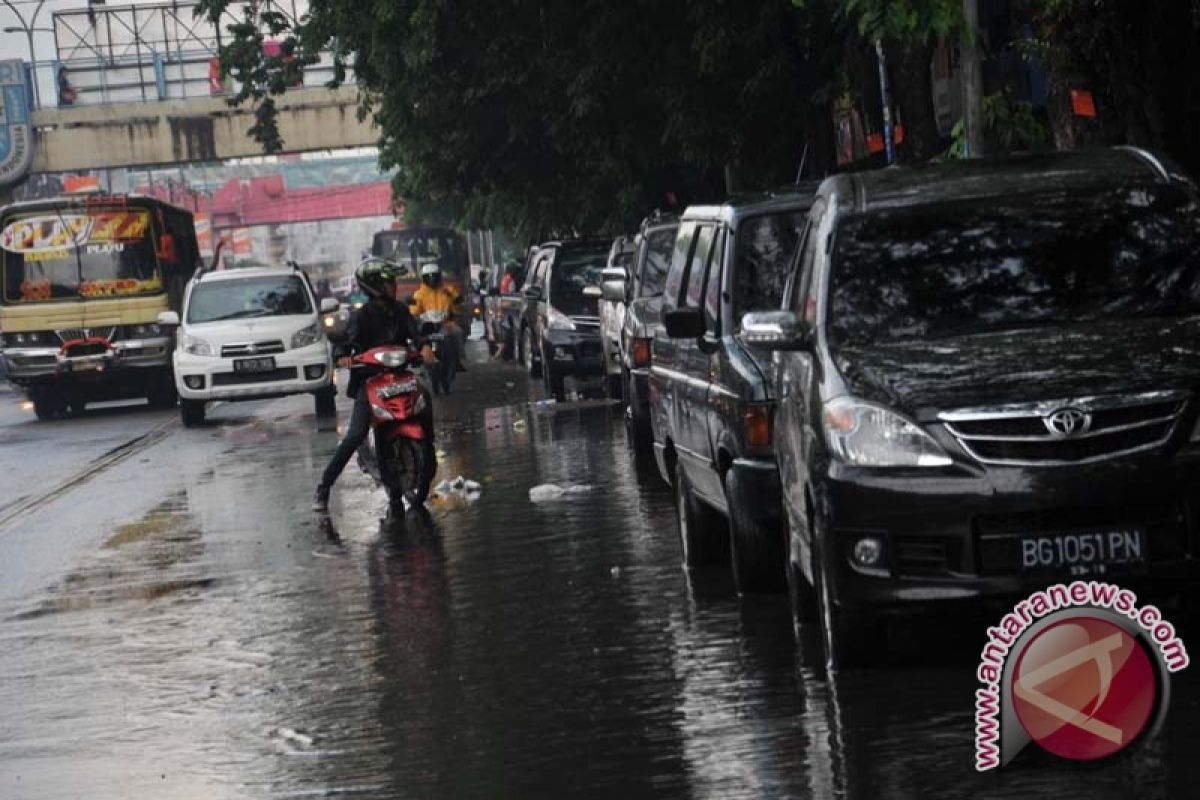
1083 553
254 364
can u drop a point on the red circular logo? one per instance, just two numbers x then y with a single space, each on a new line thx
1083 688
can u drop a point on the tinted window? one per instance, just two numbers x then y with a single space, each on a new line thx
659 245
696 273
574 270
765 245
712 295
1040 260
679 257
244 298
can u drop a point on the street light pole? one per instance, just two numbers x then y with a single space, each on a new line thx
972 83
28 29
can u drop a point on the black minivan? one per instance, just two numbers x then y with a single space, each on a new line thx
988 377
711 397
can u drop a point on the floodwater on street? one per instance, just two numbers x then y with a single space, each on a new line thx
175 623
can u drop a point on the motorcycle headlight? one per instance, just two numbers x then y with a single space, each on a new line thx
194 346
306 336
556 320
868 435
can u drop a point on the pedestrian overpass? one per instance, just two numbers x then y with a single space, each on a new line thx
194 129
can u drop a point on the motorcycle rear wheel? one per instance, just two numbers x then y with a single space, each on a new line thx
413 465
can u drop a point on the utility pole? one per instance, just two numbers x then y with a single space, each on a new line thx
28 29
885 91
972 82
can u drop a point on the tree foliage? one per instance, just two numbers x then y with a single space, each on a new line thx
561 117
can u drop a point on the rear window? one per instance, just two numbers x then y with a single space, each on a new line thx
765 245
1045 259
244 298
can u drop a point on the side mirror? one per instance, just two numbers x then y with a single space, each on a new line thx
776 330
534 293
168 319
684 323
614 291
329 305
592 291
612 274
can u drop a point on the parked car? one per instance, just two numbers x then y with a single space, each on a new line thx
612 312
641 292
250 334
560 328
711 403
988 378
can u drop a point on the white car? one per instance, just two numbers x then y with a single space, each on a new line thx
249 334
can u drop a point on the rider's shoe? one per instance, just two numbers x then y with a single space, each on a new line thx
321 499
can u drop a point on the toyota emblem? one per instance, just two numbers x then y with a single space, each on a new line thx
1068 422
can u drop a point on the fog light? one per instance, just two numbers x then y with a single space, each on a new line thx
562 353
194 382
868 552
314 371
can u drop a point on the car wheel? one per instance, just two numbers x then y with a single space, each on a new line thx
554 382
191 412
850 639
801 597
614 386
756 551
47 405
325 402
702 535
508 343
531 365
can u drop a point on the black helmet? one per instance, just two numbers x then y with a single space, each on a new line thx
373 273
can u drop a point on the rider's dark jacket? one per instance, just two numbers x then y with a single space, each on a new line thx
376 325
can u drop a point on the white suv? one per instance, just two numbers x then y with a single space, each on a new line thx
249 334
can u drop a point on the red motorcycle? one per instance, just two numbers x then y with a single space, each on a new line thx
399 453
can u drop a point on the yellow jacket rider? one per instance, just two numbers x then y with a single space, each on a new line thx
434 295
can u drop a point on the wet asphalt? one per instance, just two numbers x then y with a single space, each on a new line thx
175 623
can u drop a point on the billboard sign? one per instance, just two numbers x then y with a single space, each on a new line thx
16 135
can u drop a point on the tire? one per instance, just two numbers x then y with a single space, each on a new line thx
508 345
47 406
554 382
325 402
802 599
163 395
413 464
191 412
850 639
756 552
533 367
701 531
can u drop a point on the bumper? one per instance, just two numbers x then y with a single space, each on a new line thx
574 352
639 393
958 537
219 382
35 365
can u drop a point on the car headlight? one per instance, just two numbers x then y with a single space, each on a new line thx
868 435
306 336
194 346
556 320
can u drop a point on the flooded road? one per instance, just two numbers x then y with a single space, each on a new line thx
179 625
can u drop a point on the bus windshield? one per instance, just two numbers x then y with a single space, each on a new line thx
415 247
61 254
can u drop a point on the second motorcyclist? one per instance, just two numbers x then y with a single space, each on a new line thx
381 321
434 295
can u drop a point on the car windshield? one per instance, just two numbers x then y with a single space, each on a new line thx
765 245
1044 260
659 245
575 269
243 298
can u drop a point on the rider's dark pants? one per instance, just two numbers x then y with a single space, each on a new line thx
356 434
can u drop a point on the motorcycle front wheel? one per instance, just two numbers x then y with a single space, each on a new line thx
413 463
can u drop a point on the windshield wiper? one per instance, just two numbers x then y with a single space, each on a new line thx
243 314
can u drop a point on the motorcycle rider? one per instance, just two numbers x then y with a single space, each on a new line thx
381 321
434 295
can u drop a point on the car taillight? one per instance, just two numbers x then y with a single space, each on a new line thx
641 352
756 422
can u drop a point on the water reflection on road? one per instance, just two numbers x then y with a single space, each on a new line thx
229 644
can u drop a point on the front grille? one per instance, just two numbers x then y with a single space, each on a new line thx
590 350
265 348
920 555
240 378
85 349
998 536
74 334
1106 427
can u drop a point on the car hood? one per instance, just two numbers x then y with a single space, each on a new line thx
1119 357
255 329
